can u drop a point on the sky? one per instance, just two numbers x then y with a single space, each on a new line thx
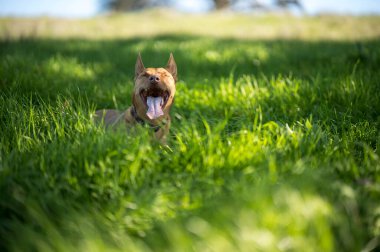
88 8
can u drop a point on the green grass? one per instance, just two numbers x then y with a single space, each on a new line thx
274 144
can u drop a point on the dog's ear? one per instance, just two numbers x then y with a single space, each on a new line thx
172 67
139 67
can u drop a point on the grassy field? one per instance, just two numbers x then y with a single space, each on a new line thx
274 144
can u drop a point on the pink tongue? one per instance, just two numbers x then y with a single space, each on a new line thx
154 107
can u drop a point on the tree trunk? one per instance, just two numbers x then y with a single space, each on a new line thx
221 4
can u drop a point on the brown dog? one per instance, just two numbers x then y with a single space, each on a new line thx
152 98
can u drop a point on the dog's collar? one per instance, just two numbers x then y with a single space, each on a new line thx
141 121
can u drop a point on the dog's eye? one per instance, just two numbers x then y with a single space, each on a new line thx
145 75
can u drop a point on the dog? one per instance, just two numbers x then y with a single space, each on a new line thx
152 97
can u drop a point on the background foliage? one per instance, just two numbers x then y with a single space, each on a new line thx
130 5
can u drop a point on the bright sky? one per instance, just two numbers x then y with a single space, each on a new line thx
87 8
62 8
343 6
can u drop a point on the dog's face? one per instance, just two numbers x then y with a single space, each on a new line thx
154 89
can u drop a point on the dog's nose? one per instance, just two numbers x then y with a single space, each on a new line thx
154 79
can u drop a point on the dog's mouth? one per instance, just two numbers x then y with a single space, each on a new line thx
155 99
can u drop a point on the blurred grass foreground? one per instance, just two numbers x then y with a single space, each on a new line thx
274 144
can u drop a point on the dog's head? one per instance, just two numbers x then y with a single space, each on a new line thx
154 90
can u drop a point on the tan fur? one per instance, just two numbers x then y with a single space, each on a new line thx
167 79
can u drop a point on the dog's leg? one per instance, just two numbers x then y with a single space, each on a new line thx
110 118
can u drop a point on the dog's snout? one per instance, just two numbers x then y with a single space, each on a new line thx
154 79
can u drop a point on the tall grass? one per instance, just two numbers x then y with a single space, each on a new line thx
274 146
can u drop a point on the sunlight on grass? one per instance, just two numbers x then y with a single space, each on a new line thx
274 143
69 67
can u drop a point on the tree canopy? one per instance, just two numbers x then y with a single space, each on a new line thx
130 5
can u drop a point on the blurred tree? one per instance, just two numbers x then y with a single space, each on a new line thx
255 4
222 4
129 5
287 3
